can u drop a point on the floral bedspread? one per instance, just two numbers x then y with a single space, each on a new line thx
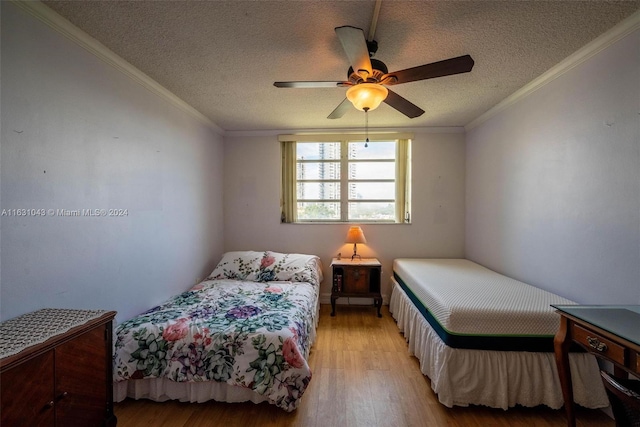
249 334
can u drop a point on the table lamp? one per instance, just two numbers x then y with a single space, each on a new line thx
355 236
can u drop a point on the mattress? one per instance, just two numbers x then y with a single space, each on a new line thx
470 306
498 379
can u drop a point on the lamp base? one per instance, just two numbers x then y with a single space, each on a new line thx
355 248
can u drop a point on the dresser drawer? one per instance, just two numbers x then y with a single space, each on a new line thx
598 344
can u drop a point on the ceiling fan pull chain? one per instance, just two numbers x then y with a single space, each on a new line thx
366 127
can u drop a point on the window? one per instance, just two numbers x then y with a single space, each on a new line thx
343 179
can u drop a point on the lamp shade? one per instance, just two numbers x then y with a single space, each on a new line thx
355 235
367 96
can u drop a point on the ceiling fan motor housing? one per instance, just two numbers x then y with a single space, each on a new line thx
378 67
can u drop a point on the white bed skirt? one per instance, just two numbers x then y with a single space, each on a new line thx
161 389
498 379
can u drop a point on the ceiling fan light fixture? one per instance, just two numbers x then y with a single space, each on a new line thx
367 96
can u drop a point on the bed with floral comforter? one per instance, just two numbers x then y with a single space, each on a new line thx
244 333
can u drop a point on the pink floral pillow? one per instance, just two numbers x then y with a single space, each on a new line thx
292 267
268 266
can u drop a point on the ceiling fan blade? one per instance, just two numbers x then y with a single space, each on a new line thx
405 107
461 64
340 109
355 46
306 85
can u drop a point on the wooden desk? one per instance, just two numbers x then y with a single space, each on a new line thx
609 332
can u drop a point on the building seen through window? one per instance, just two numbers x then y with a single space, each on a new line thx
346 181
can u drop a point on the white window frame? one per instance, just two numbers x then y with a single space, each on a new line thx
402 183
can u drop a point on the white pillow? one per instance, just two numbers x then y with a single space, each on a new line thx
241 265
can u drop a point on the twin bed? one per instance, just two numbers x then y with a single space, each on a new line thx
485 339
243 334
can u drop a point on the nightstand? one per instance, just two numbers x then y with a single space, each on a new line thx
356 278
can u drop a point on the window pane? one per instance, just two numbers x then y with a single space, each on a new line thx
324 170
371 170
375 150
318 190
372 211
318 151
320 187
318 211
372 190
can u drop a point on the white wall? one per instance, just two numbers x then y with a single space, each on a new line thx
77 134
552 186
553 183
252 207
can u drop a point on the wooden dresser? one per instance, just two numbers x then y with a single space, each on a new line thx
56 369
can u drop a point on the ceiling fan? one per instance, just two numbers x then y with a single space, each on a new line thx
368 77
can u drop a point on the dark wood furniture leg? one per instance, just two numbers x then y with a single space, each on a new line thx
561 344
378 302
333 305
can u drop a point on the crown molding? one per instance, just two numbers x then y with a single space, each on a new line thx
618 32
63 26
277 132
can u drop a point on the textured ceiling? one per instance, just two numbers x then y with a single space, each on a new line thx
222 57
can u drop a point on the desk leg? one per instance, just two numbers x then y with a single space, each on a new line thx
561 344
333 304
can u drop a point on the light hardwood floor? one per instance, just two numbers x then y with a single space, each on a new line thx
362 376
